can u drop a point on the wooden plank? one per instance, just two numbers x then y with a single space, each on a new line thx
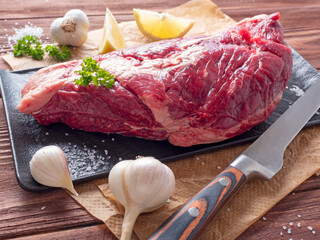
22 213
296 212
100 232
22 10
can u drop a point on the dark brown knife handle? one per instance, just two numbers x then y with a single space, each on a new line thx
191 219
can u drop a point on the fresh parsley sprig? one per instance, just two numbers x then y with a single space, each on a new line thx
31 46
92 73
55 52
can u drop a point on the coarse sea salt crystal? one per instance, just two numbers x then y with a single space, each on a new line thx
84 161
27 30
310 228
299 224
298 91
264 218
284 227
291 223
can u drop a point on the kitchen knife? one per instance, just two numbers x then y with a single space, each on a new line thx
263 158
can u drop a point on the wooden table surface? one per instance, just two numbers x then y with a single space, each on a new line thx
54 214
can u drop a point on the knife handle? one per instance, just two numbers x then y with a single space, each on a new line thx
191 219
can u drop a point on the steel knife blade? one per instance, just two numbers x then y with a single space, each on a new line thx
263 158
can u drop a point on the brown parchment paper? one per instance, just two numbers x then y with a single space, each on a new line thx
301 159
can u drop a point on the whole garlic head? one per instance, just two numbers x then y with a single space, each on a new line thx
140 185
72 29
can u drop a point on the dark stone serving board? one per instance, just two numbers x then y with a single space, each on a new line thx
92 155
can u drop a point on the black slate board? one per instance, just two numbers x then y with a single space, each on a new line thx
92 155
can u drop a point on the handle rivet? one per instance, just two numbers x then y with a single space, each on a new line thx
194 212
224 182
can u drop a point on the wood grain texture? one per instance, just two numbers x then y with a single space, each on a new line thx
98 232
22 214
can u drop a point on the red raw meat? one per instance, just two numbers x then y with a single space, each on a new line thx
190 91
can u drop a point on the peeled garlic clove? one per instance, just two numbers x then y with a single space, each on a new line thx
140 185
49 167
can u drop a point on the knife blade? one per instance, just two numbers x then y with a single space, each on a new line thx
263 159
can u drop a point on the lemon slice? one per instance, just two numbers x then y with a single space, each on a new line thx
111 37
158 26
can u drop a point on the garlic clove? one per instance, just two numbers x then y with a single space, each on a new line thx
115 180
140 185
49 167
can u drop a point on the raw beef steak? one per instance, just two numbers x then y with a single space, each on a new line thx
190 91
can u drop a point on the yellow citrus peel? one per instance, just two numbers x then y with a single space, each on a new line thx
159 26
111 37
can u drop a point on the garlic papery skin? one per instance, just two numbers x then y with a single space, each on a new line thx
72 29
49 167
140 185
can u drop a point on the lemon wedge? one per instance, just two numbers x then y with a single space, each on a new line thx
111 37
158 26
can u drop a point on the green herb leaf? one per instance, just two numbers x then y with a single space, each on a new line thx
29 46
92 73
55 52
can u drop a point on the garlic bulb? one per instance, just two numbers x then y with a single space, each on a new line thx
49 167
140 185
71 29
